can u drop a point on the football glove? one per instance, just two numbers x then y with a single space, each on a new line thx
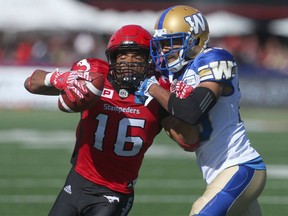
164 83
68 82
181 89
142 93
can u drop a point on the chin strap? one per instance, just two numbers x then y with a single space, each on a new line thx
178 63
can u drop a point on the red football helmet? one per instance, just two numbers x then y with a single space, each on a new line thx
129 38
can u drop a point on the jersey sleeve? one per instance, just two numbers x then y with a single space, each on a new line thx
215 64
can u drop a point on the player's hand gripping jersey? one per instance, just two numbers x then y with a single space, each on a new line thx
114 129
213 155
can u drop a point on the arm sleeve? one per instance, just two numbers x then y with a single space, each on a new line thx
192 108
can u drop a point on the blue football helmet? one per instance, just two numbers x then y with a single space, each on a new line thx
180 34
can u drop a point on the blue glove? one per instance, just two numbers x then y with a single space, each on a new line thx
142 93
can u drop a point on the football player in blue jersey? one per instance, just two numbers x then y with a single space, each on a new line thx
206 94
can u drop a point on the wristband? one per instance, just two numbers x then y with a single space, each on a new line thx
47 80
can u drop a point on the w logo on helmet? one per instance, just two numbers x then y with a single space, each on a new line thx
197 23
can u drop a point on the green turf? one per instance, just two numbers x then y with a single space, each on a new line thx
31 177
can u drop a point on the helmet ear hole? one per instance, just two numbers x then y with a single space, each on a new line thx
190 53
193 52
195 41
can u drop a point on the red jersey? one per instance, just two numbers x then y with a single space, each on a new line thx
112 138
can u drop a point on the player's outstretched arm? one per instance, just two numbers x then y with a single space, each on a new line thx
42 82
35 84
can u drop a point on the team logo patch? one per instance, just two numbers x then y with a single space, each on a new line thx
68 189
83 65
112 199
197 22
107 93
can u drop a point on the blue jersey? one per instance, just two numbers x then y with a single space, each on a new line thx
223 138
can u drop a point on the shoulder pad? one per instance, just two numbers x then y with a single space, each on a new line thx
215 64
91 65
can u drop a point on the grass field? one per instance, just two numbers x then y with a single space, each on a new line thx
35 149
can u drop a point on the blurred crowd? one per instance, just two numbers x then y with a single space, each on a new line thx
50 48
60 49
265 54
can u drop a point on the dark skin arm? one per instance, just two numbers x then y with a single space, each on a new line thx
35 84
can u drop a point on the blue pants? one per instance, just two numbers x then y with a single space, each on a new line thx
233 192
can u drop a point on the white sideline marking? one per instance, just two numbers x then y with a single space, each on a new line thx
66 138
40 139
31 182
172 198
142 183
277 171
57 183
265 126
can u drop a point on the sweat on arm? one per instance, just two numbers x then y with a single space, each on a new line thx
192 108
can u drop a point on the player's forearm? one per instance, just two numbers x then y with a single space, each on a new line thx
35 84
160 94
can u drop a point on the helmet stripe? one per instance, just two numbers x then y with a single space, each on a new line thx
162 17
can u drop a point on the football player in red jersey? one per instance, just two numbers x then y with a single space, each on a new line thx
112 136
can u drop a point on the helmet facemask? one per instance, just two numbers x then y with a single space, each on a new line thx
187 33
128 75
128 56
180 45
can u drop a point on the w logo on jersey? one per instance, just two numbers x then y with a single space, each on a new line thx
197 22
223 69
